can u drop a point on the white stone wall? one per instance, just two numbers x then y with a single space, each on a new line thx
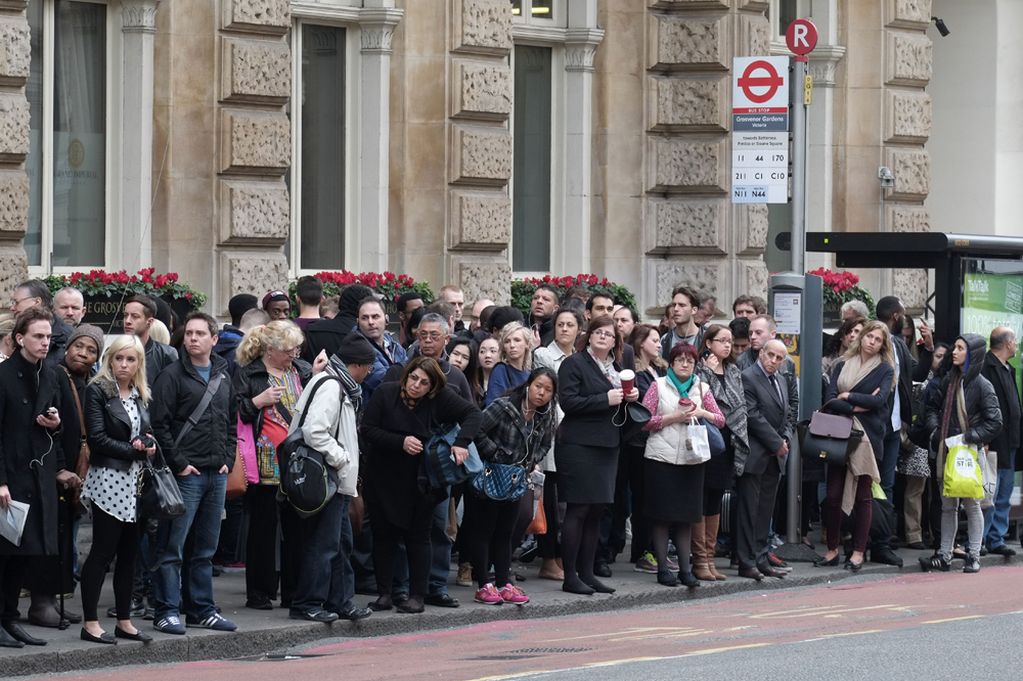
479 149
14 140
693 234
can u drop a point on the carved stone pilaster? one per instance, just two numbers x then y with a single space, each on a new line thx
823 62
581 47
138 16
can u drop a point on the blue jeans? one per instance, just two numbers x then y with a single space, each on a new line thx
342 574
888 461
440 560
996 518
203 495
321 541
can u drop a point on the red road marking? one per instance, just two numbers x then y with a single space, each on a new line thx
751 619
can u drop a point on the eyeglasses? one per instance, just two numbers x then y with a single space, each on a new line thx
18 301
603 334
417 381
293 352
430 335
684 359
723 341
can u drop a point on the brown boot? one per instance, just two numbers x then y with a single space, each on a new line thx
700 568
710 526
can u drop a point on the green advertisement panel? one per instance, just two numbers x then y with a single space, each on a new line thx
991 300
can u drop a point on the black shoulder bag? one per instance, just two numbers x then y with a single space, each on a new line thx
306 479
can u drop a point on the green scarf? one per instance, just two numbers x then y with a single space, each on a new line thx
682 386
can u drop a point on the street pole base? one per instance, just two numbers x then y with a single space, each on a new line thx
797 552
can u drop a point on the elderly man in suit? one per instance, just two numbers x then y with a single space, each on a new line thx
768 406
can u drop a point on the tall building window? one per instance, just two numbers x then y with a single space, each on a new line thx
67 162
531 182
318 172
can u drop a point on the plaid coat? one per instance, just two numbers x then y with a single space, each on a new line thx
505 437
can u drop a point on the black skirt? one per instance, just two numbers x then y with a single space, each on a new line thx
719 472
586 475
674 494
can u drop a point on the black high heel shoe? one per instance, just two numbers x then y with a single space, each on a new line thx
821 562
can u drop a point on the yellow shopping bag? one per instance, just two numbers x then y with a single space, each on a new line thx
962 470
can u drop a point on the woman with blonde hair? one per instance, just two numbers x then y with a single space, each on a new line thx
516 343
118 428
861 382
267 386
7 346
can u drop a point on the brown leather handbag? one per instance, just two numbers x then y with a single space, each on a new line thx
84 453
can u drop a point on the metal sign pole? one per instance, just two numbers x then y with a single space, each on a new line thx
798 167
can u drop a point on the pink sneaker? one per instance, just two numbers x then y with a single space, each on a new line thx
513 594
488 595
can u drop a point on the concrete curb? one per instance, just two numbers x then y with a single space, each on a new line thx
280 634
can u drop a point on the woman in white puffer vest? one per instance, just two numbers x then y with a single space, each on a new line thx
673 471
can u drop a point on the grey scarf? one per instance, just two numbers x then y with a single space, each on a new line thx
352 388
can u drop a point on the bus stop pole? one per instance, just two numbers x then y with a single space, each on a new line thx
795 463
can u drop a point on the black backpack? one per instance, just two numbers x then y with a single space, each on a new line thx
306 479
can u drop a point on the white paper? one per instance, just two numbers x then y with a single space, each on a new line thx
787 313
12 521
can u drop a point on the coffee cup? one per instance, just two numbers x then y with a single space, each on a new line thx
628 377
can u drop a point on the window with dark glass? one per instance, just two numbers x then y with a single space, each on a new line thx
531 183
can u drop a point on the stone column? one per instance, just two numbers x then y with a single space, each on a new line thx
574 233
693 234
138 26
906 127
371 234
254 151
15 58
480 149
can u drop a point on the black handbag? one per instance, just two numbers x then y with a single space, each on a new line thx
829 437
157 494
306 479
500 481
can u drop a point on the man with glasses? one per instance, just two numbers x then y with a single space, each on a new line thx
35 293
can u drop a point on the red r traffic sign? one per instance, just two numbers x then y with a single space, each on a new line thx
764 77
801 37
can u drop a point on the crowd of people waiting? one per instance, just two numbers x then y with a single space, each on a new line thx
619 426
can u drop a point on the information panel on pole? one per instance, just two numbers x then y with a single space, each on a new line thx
760 124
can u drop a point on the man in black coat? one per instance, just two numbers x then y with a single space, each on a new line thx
892 312
199 447
31 461
327 334
1002 375
768 407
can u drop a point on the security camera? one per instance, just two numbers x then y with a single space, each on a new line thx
884 173
940 25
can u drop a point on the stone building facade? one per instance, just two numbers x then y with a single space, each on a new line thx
387 134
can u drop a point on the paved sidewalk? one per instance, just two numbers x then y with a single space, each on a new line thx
262 632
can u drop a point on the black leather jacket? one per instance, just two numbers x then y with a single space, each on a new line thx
252 379
109 428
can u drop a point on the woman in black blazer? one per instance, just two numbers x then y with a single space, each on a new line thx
861 382
117 423
590 393
399 420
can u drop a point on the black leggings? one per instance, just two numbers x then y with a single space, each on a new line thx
491 537
110 538
683 536
549 548
579 536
